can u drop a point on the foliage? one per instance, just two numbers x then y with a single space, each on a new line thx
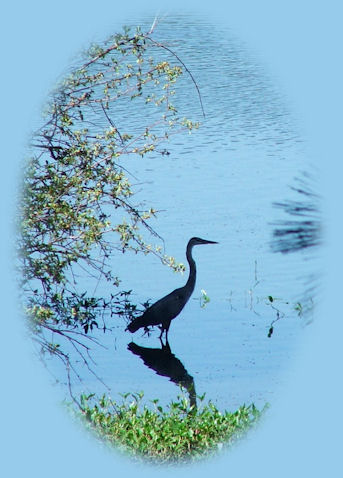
175 434
78 317
76 206
75 183
204 299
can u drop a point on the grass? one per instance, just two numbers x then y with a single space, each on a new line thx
171 435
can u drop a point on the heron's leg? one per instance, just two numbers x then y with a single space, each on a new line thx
166 328
162 330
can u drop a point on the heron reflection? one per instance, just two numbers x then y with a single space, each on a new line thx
164 363
163 311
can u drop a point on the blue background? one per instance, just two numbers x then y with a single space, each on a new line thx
300 43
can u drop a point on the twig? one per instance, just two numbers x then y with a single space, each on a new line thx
160 45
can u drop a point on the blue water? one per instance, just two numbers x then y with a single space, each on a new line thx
218 183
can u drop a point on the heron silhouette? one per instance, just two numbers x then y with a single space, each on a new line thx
165 364
163 311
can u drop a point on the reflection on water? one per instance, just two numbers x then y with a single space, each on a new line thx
300 231
164 363
304 229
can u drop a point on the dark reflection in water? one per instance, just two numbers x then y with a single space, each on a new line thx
303 230
164 363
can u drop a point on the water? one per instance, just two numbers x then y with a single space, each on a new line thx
218 183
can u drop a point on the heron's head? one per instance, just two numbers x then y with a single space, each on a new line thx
195 241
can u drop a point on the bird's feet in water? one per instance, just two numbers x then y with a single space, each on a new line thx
165 346
163 329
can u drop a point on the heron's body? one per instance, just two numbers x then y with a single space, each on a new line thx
163 311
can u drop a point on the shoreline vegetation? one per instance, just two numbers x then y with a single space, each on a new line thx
170 435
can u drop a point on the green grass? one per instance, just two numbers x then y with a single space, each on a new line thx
175 434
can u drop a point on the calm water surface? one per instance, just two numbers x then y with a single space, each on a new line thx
218 183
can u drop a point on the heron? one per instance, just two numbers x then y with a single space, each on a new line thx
163 311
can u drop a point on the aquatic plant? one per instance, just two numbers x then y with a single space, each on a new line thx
174 434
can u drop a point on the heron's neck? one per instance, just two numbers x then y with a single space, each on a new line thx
192 271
